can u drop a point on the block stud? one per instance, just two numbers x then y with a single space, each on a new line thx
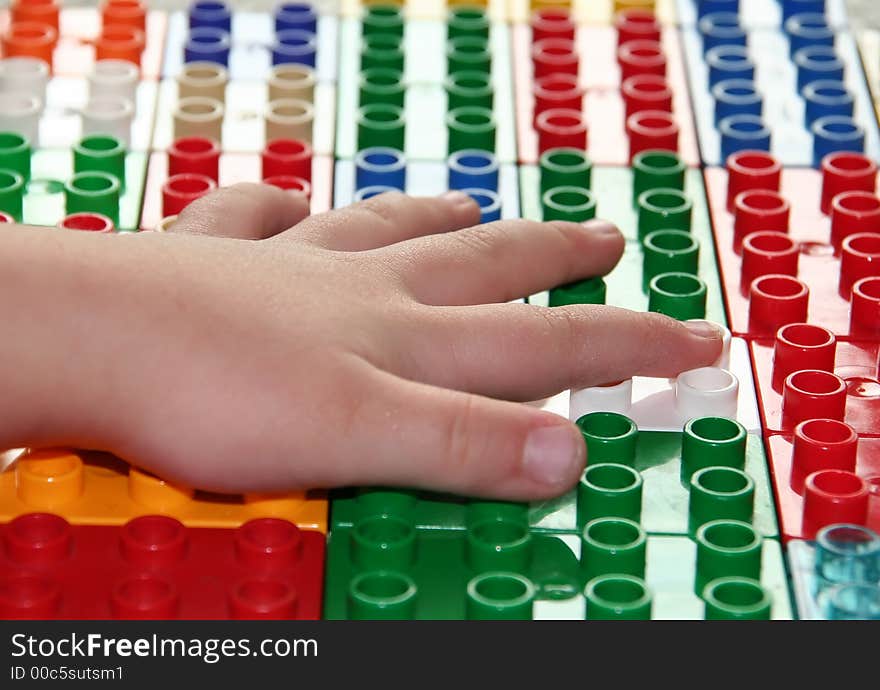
712 442
499 596
812 394
608 490
821 444
833 496
618 597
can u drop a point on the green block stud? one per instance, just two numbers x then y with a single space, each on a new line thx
15 154
565 167
93 191
500 596
468 53
726 547
610 437
382 50
609 490
11 193
498 544
612 546
589 291
663 209
669 251
469 89
380 124
720 493
712 442
618 597
383 542
574 204
467 21
382 501
470 127
736 598
381 85
679 295
382 20
98 152
382 595
657 170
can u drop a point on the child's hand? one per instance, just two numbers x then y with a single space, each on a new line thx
369 345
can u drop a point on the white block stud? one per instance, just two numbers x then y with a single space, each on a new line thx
114 79
197 116
289 118
24 75
203 79
20 112
111 116
616 397
165 223
706 392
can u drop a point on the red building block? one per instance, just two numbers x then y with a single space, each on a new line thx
154 567
828 278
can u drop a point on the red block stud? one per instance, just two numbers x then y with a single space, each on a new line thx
833 497
560 128
822 444
29 39
153 541
859 258
37 539
767 252
287 157
758 209
775 301
641 57
554 55
851 213
552 23
845 171
268 545
144 597
120 42
812 394
262 599
557 91
651 130
864 314
290 183
86 221
181 190
646 92
41 11
751 170
198 155
802 346
6 218
31 597
124 12
636 25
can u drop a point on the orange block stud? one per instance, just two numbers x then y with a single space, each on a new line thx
120 42
40 11
131 13
98 489
29 39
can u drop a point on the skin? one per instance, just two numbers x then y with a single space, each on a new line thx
256 348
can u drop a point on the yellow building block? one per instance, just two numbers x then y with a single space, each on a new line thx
99 489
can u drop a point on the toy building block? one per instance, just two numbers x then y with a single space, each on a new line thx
98 489
600 12
764 14
153 567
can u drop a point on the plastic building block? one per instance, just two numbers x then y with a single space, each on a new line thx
126 12
233 168
565 167
101 153
473 168
154 567
198 155
763 14
24 75
97 489
210 13
296 15
88 222
287 157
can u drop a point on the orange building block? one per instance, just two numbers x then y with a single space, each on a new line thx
41 11
120 42
99 489
29 39
124 12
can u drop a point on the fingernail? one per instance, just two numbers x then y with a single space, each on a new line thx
703 329
552 454
600 227
456 197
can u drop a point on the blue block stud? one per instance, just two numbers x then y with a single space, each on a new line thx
380 166
847 553
793 7
817 62
489 201
369 192
741 132
295 46
736 97
806 30
472 168
211 14
721 29
207 44
823 98
851 602
729 62
296 15
836 133
705 7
